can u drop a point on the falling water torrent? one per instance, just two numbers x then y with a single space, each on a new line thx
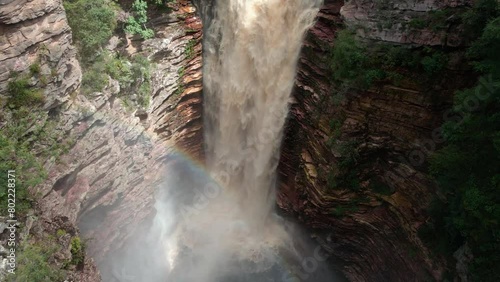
221 225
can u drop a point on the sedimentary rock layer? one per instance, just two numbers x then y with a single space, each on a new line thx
373 233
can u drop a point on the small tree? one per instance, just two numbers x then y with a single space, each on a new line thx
92 23
137 24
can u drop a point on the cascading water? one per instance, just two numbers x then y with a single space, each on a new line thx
220 226
251 52
252 48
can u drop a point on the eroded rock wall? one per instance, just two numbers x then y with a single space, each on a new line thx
394 21
38 32
373 230
105 183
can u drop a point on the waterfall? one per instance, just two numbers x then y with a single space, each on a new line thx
217 224
252 48
251 52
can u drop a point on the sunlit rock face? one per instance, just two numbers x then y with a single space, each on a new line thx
105 183
374 233
391 21
38 32
123 199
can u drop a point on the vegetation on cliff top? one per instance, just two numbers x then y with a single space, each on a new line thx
358 65
136 24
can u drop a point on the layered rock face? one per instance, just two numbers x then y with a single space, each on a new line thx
106 182
391 21
38 32
389 130
171 125
114 188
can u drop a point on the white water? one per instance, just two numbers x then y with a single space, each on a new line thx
252 48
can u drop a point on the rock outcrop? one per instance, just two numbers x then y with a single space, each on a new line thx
406 22
35 37
116 163
37 32
123 186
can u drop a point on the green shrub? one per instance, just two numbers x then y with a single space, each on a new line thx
434 63
476 18
343 210
33 265
77 251
349 57
353 63
486 49
339 212
189 50
335 127
180 84
331 180
141 75
379 187
134 76
349 154
20 142
95 77
417 23
35 68
437 20
357 64
92 23
119 69
22 94
60 232
136 24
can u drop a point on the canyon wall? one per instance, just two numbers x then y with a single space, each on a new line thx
105 182
370 226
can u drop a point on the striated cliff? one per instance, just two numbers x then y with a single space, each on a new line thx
37 31
429 22
105 181
374 206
